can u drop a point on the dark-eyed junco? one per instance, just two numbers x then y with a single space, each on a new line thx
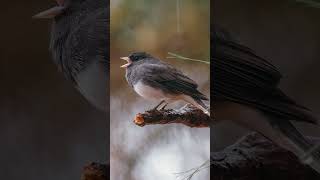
154 79
245 90
80 45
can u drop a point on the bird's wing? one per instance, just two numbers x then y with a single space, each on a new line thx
241 76
170 80
86 56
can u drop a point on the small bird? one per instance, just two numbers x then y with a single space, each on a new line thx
154 79
245 91
80 45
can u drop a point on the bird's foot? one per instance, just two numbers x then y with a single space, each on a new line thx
185 106
189 105
163 107
157 106
207 112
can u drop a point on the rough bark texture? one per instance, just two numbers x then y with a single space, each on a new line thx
188 116
95 171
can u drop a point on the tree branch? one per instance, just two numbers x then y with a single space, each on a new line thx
188 115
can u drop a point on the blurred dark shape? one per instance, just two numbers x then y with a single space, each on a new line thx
80 46
254 157
96 171
48 131
243 77
286 33
246 86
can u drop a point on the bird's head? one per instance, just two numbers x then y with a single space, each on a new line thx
55 11
135 57
62 8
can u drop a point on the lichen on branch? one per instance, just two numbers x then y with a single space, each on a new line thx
188 115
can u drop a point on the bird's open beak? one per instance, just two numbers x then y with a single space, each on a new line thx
50 13
126 59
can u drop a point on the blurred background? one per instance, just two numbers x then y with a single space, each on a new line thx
286 33
47 129
157 27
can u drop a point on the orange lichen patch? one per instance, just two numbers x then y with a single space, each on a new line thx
139 120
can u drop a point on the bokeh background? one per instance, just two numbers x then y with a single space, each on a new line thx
47 129
286 33
157 27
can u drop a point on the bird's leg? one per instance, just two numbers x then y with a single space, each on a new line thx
196 104
165 105
185 106
157 106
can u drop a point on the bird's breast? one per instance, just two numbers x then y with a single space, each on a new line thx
148 92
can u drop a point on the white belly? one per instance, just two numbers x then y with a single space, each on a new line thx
149 92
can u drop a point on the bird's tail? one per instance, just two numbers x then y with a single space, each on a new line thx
197 102
201 103
305 114
204 108
298 144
